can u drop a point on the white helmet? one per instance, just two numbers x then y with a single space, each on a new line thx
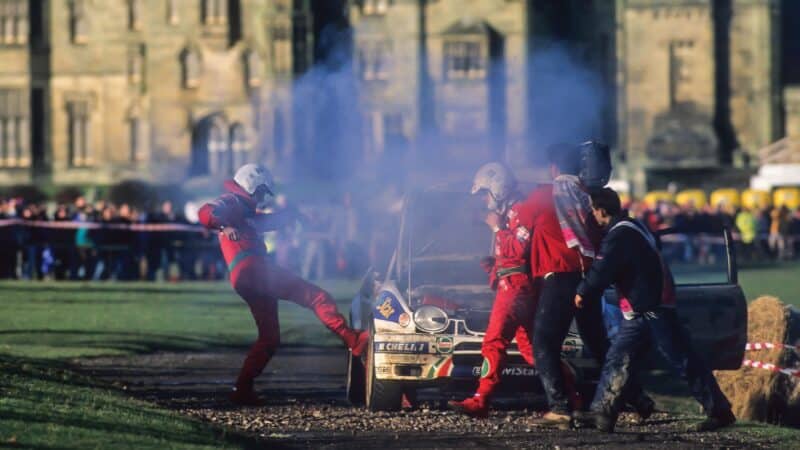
250 176
498 180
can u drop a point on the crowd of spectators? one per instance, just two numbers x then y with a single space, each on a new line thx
761 233
338 238
84 240
68 241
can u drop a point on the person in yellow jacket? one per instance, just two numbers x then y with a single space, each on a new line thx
747 225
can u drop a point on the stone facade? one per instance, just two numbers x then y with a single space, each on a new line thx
754 74
95 91
666 88
152 89
792 102
443 79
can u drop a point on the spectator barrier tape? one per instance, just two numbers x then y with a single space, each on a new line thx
769 346
771 367
97 225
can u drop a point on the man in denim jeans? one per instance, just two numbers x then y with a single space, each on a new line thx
630 259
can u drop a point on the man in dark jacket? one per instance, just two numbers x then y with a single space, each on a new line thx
630 259
558 268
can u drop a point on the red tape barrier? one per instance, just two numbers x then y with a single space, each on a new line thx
771 367
769 346
69 225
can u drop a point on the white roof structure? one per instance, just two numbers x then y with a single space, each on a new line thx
780 165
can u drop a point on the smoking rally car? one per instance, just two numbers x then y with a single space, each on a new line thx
428 315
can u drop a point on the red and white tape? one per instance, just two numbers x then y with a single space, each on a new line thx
769 346
771 367
70 225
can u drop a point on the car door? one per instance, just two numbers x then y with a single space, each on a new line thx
710 302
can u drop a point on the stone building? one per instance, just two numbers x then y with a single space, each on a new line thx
95 91
177 91
693 86
697 84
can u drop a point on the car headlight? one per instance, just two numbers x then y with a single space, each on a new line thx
430 319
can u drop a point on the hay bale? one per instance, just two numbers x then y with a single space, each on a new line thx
757 394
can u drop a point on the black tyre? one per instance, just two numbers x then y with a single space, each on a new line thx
356 379
381 395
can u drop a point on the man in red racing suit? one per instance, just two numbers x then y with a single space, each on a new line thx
258 281
509 275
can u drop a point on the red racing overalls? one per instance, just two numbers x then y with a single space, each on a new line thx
261 283
515 298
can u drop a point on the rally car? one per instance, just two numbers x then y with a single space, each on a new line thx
428 313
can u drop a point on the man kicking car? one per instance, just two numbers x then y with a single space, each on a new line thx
260 282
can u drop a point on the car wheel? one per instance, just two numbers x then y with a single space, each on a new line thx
381 395
356 379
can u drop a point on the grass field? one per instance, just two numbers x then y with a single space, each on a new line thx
45 405
42 325
781 281
61 320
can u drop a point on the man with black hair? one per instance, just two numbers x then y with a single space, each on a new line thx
565 237
629 258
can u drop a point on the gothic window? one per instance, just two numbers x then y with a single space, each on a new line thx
136 64
282 48
135 15
191 68
680 76
234 16
253 68
215 12
464 60
279 135
218 157
301 42
173 18
13 22
374 7
373 59
135 139
282 5
79 136
240 146
14 119
79 23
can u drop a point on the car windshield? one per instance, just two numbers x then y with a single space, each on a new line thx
443 240
696 258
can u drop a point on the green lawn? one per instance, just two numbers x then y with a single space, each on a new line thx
782 281
59 320
45 405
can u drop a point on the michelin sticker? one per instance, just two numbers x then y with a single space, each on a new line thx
401 347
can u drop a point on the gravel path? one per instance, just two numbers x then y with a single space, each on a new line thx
306 407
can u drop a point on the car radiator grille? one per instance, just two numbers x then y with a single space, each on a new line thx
477 320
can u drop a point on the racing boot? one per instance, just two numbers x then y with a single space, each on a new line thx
245 397
593 419
475 406
644 407
605 422
714 422
553 419
360 345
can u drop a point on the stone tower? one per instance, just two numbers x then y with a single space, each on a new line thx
754 49
666 85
